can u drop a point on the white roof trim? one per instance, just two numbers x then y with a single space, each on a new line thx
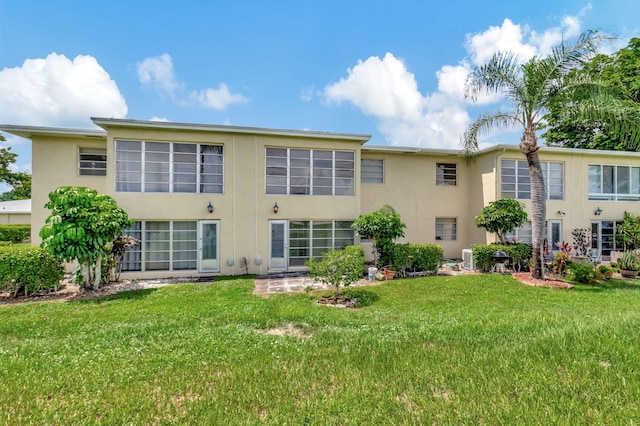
105 123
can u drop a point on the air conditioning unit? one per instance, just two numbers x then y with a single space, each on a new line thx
467 260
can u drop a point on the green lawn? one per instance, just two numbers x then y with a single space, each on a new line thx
473 349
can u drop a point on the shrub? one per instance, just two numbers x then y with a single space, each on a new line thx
519 254
338 267
363 296
15 233
425 257
583 273
29 270
560 262
604 272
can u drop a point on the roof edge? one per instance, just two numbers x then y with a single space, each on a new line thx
117 122
29 131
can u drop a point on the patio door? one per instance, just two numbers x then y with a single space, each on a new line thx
208 253
278 245
554 234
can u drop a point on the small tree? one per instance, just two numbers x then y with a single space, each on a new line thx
628 232
82 227
501 217
383 226
338 267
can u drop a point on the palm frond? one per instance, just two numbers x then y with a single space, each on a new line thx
483 125
499 75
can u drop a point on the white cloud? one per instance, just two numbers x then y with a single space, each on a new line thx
306 94
219 98
56 91
384 88
158 73
387 90
165 120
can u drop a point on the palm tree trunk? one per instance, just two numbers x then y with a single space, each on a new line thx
529 147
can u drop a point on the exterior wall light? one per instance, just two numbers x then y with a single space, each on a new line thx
210 207
598 211
561 213
276 208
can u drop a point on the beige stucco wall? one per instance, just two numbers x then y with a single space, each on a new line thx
410 188
577 210
55 163
244 210
15 218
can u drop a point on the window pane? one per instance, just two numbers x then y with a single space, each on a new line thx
446 229
372 171
446 174
92 162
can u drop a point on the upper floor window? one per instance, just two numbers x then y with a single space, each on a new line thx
446 229
515 182
309 172
92 162
617 183
371 171
169 167
446 174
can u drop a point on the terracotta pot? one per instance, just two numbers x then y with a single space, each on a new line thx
389 274
626 273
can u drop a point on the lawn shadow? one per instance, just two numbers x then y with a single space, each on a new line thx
614 284
122 295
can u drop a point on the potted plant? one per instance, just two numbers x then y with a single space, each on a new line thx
388 273
629 264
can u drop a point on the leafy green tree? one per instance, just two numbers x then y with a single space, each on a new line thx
531 87
620 72
19 181
501 217
82 227
383 226
338 267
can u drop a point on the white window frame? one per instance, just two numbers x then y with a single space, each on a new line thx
596 189
522 184
170 175
443 174
371 170
341 179
88 165
446 229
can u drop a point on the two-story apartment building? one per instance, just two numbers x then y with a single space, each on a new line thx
213 199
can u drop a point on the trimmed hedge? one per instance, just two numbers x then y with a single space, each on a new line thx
29 270
519 254
412 257
15 233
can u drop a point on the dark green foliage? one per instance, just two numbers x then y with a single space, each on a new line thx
501 217
20 181
412 257
362 295
14 233
383 226
28 270
628 232
519 254
584 273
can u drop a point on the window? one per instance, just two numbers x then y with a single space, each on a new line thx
309 172
446 174
163 246
521 234
312 238
446 229
168 167
371 171
614 183
92 162
516 183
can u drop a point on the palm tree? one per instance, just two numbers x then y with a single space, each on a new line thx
531 87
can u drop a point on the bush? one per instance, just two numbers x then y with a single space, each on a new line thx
423 257
363 296
338 267
604 272
584 273
29 270
519 254
15 233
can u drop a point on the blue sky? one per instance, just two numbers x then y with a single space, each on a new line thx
392 69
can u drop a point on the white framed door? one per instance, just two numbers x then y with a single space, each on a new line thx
554 234
278 236
209 247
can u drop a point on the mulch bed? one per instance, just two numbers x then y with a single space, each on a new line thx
525 278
